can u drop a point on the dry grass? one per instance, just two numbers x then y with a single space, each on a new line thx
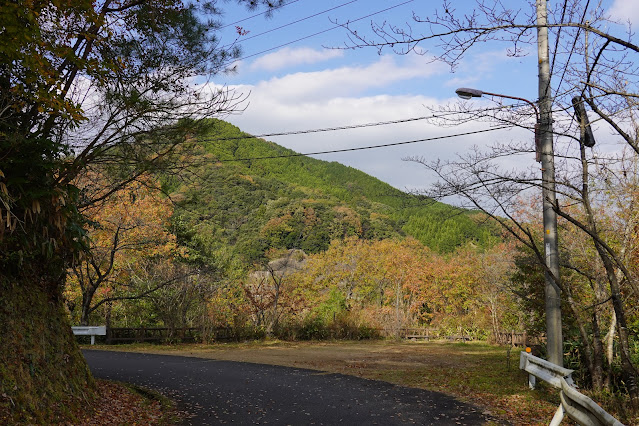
473 372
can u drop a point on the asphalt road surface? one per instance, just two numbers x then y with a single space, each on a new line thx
219 392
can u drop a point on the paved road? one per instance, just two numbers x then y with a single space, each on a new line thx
217 392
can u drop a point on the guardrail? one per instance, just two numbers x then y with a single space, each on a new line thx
577 406
545 370
90 330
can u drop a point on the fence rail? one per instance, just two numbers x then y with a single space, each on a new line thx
574 404
511 338
116 335
424 333
521 340
164 334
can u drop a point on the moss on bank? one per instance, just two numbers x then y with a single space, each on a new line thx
43 375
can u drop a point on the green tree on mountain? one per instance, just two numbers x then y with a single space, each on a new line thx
83 83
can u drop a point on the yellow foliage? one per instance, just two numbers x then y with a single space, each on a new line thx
126 231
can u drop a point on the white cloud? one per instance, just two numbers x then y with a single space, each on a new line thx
625 11
466 81
345 81
269 115
288 57
486 69
351 95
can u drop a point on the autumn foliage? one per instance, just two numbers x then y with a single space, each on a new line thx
128 233
381 284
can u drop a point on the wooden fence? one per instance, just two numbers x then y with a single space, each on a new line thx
423 333
510 338
516 339
116 335
418 333
193 334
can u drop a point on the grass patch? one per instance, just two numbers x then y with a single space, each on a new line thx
151 395
474 372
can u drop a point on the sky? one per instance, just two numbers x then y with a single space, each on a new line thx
298 76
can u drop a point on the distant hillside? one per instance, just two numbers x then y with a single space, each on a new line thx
244 208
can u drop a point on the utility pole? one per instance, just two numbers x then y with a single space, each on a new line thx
552 291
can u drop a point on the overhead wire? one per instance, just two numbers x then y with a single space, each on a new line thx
362 148
442 115
291 23
325 129
583 17
314 34
361 125
257 14
574 44
555 53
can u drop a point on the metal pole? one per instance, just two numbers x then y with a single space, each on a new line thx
553 297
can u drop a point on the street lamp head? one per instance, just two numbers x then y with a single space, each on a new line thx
466 93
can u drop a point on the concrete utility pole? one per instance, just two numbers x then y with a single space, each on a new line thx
553 294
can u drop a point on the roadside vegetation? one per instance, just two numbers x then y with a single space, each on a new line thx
260 254
110 403
475 372
124 404
125 202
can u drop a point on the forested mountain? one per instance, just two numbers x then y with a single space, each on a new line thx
235 202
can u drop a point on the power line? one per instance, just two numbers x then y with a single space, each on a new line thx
554 56
325 129
258 14
314 34
358 126
583 17
365 147
292 23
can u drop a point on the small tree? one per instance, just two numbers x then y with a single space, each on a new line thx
127 231
84 83
589 62
267 289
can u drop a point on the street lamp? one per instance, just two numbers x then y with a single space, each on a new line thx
466 93
545 154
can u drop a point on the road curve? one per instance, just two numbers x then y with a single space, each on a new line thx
218 392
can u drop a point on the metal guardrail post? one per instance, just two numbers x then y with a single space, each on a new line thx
544 370
577 406
92 331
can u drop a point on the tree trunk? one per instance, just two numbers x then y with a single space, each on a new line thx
610 264
87 297
42 372
592 351
107 316
628 370
597 354
277 283
610 352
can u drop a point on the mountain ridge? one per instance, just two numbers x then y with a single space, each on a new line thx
251 204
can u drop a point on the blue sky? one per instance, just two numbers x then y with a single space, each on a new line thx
306 84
